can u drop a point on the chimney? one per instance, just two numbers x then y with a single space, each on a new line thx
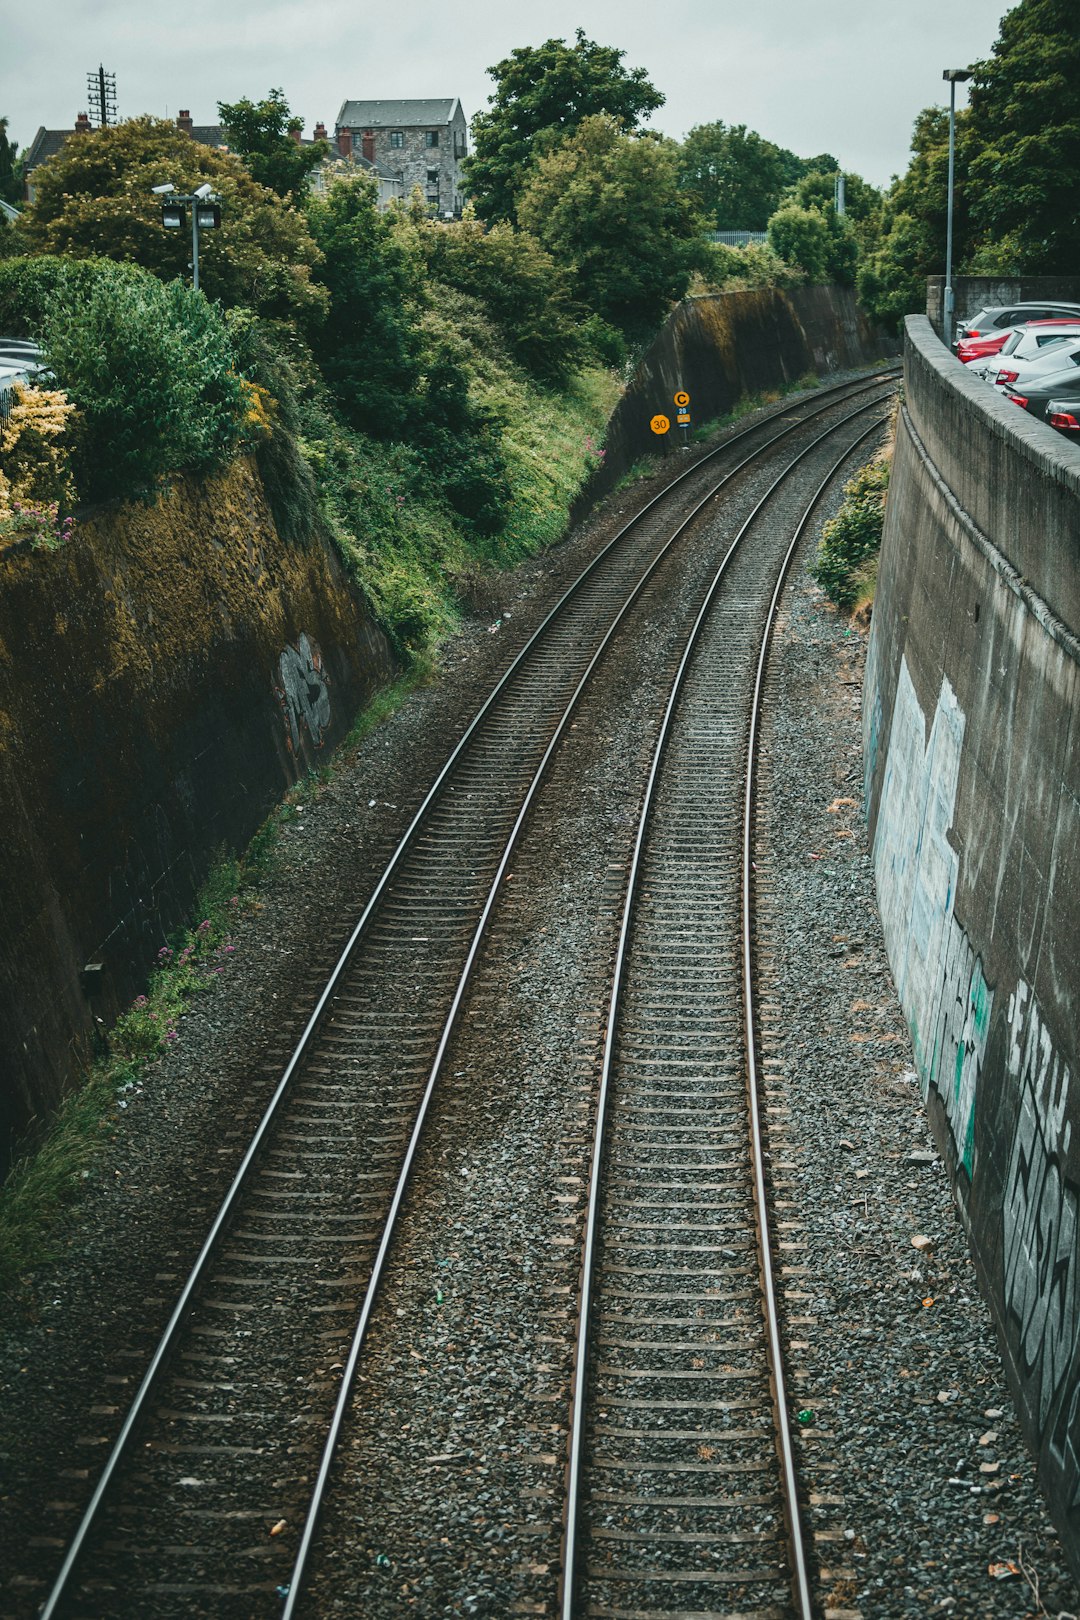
320 131
83 125
297 134
367 145
344 142
183 120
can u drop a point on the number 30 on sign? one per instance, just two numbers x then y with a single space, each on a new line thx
659 424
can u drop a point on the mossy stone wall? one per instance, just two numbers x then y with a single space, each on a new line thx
163 679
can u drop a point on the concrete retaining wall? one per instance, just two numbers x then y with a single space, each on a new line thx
163 679
972 738
972 293
722 348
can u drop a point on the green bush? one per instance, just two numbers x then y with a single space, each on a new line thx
801 237
520 286
152 371
278 359
27 283
854 534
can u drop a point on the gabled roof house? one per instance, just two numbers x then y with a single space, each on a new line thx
421 143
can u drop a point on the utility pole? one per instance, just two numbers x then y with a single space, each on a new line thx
101 95
955 76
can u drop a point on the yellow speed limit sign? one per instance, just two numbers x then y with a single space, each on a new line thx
682 399
659 424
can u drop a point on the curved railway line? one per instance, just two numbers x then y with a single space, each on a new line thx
239 1413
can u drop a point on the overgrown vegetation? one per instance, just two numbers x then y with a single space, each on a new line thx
1017 151
852 539
36 481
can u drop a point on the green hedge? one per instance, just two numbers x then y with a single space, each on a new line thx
854 534
150 366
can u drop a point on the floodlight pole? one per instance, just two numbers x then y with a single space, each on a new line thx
955 76
173 201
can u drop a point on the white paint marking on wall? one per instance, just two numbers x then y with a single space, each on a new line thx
938 974
305 691
1040 1208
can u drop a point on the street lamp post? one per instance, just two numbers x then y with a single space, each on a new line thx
955 76
205 216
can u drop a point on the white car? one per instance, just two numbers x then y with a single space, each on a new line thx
1015 375
1026 343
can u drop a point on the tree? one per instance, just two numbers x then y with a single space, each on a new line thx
543 94
892 278
735 175
369 348
151 371
862 201
801 236
911 238
266 135
1024 125
519 284
608 206
850 233
11 189
94 198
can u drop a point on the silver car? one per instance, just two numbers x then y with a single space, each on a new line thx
1026 343
997 316
1056 376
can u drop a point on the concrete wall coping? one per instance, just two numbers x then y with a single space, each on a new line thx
1036 441
1011 577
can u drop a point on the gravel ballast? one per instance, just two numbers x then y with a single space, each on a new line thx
910 1409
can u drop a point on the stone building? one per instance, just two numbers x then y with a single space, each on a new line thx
420 142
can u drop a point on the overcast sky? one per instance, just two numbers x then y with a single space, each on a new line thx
840 76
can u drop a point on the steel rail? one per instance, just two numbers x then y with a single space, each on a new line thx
169 1335
567 1595
350 1367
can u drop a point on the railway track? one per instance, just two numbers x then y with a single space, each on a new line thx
229 1430
682 1475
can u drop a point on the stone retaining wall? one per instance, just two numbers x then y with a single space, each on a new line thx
163 679
972 752
721 349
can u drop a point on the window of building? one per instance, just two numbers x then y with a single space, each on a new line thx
431 138
397 137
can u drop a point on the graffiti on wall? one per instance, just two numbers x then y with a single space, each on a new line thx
1040 1230
939 974
304 692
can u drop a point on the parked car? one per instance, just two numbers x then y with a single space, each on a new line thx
1055 377
1064 414
1000 316
1017 373
1025 342
19 363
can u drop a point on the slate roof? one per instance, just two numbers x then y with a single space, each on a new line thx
396 114
45 144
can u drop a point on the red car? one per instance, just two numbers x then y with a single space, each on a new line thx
988 343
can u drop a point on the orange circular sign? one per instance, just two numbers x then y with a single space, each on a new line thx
659 424
682 397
